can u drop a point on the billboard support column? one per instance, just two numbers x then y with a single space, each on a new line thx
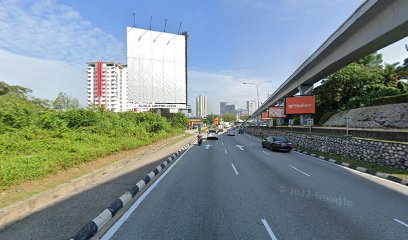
304 90
186 63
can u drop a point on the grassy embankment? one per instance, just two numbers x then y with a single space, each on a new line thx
36 141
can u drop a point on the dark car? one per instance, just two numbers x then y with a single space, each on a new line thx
241 131
277 143
231 133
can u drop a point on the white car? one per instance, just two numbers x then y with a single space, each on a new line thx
212 134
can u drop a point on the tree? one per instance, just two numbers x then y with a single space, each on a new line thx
14 90
345 85
4 88
358 85
45 103
245 117
372 60
211 118
63 102
179 120
390 74
228 117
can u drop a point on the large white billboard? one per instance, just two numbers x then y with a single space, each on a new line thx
156 68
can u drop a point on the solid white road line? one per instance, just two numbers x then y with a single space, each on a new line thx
109 234
352 170
225 150
299 170
399 221
265 223
266 153
235 170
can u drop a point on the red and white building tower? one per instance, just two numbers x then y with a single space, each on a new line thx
108 85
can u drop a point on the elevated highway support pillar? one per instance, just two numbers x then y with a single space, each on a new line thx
304 90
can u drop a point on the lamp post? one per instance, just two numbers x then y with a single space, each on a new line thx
257 84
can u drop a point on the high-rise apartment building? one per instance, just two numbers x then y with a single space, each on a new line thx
201 106
108 86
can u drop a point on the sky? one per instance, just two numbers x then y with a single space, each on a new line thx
45 44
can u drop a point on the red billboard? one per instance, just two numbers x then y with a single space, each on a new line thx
265 116
300 105
277 112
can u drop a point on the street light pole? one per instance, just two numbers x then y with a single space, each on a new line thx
257 84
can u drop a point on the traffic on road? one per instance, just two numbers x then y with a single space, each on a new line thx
234 188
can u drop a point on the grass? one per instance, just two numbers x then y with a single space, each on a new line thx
26 189
401 173
34 154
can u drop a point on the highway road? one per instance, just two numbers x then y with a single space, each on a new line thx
234 189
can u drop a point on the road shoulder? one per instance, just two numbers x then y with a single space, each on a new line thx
132 163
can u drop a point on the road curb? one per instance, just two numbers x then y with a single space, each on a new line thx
360 169
92 227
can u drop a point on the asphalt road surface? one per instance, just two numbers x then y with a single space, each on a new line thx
235 189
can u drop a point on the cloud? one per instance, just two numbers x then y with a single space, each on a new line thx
47 29
395 52
226 86
45 77
45 45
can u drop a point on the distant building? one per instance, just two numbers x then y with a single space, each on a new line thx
108 86
240 112
251 106
223 107
201 106
230 109
227 108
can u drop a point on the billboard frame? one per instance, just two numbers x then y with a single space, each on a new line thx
277 107
303 113
164 104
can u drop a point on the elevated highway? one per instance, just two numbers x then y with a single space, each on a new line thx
374 25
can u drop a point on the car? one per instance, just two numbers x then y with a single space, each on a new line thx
241 131
212 134
277 143
231 133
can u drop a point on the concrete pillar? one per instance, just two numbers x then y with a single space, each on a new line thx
304 90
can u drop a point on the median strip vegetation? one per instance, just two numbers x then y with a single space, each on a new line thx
401 173
36 140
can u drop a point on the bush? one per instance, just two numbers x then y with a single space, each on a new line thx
36 141
402 98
